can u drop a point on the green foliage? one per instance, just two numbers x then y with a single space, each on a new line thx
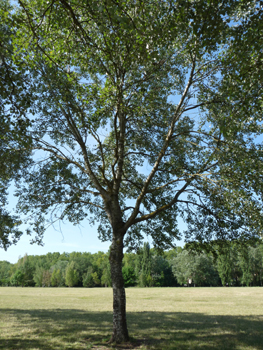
251 265
91 279
57 278
18 278
38 276
71 275
129 276
234 265
90 87
26 266
162 272
145 278
46 281
228 267
95 279
14 140
194 269
106 273
5 273
256 262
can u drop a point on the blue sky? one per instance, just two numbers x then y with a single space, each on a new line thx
71 239
59 238
62 237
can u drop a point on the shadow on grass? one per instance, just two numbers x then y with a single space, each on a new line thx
60 329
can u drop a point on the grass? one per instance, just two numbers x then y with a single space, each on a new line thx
158 318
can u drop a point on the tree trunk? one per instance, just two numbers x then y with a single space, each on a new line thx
120 330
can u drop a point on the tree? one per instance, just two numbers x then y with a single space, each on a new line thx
26 265
251 265
4 273
38 276
91 279
182 266
72 276
145 266
256 260
106 274
162 272
82 262
57 278
113 145
228 266
205 273
46 279
197 269
129 276
58 273
18 278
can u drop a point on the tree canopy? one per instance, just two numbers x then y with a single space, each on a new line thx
134 114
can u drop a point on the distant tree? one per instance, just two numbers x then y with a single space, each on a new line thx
71 275
130 259
5 273
96 279
18 278
87 279
228 266
145 262
106 277
106 273
27 267
161 272
91 278
46 281
256 262
172 253
246 268
58 278
129 276
82 262
38 276
182 267
195 268
250 260
204 272
58 272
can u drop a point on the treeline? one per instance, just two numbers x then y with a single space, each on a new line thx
146 268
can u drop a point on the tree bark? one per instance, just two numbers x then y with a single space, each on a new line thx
120 330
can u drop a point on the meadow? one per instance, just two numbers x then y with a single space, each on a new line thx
158 318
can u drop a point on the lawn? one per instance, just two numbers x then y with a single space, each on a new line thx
158 318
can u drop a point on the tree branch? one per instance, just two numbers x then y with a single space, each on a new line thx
176 116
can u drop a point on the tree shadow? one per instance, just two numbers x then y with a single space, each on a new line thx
57 329
184 330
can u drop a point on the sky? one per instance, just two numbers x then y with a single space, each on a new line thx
63 237
69 239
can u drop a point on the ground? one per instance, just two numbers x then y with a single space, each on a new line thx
158 318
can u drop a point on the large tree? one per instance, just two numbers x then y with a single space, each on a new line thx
139 113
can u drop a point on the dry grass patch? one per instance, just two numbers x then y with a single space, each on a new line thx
158 318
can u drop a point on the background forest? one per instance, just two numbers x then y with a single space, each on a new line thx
232 265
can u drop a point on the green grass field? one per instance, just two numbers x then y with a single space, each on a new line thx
158 318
